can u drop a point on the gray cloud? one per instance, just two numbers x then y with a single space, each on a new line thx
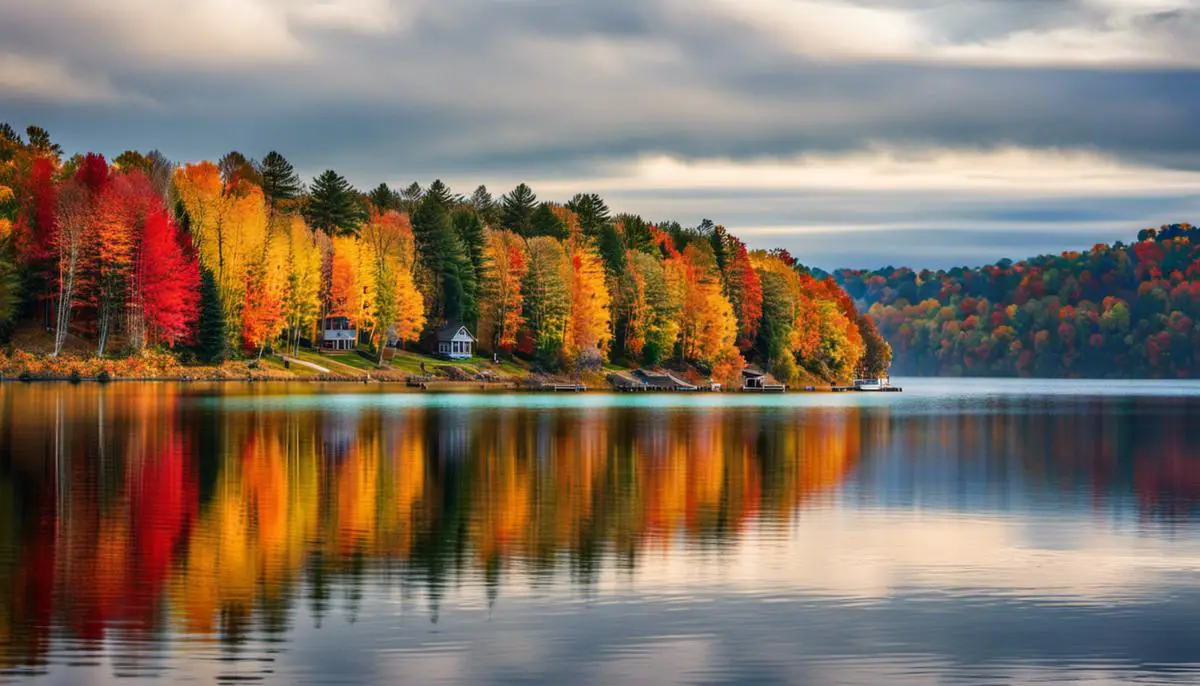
491 91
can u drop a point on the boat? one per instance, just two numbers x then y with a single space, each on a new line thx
878 385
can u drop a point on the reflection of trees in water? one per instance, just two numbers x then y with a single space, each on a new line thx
1106 452
147 512
144 513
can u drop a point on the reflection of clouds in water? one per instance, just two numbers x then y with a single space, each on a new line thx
665 660
874 555
729 636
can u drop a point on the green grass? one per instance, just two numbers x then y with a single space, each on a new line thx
338 364
276 362
410 362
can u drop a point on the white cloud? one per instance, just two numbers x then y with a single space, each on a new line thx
1029 172
1103 33
43 80
357 16
157 35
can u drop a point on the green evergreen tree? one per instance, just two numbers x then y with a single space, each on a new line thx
469 228
440 193
39 142
516 210
333 205
637 233
210 330
592 212
384 198
485 206
612 251
280 182
545 223
444 257
719 240
472 266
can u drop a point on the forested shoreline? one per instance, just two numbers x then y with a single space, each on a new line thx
144 260
1114 311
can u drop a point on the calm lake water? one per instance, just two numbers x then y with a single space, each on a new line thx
960 532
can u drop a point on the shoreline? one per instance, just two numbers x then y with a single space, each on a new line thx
435 386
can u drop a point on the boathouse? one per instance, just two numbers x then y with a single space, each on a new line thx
663 381
758 381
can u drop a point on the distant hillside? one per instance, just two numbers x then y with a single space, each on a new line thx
1115 311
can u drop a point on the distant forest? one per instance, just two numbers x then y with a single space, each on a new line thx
1115 311
216 260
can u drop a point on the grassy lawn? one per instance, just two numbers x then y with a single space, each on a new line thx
405 362
410 362
276 362
345 364
351 359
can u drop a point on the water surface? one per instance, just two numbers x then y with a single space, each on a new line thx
960 532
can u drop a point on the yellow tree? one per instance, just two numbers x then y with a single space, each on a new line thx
500 310
387 239
590 314
302 300
229 229
410 308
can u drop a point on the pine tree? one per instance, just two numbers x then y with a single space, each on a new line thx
485 207
612 251
516 211
470 232
440 193
438 247
9 134
472 265
280 182
592 212
384 198
635 232
333 206
210 331
39 142
719 240
546 223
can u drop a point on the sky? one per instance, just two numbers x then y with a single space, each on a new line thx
930 133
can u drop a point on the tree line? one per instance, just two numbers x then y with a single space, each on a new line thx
231 258
1119 310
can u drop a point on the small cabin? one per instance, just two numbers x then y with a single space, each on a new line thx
338 333
454 341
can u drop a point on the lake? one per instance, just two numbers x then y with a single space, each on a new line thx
959 532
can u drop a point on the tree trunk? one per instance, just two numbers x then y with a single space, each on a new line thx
63 317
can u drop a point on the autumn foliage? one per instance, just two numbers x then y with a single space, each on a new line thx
1120 310
237 257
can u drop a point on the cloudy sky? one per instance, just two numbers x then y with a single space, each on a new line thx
925 132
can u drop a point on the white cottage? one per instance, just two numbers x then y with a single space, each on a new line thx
338 333
455 342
